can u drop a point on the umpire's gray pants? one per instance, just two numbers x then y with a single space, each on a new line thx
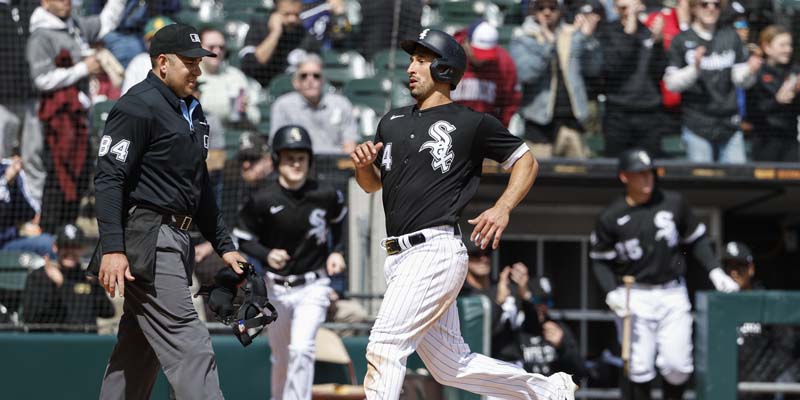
159 327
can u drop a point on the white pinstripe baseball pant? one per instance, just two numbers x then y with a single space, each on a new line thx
301 310
419 313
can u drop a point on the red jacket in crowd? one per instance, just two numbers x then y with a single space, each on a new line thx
491 88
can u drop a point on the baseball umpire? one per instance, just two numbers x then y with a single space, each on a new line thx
152 186
427 158
640 235
294 226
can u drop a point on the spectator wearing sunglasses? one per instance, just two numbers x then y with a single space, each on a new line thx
707 63
328 117
227 92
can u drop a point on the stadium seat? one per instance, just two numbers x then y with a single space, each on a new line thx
99 114
342 67
381 59
331 351
372 92
672 146
14 268
280 84
596 145
460 12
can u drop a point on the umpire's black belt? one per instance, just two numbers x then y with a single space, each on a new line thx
395 245
182 222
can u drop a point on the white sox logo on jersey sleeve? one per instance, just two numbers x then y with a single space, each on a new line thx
319 228
441 147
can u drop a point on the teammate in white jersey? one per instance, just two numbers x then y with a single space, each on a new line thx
427 158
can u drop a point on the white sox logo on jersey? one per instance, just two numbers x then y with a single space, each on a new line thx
319 228
441 147
666 227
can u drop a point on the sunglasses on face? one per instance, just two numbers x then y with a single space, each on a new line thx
709 4
315 75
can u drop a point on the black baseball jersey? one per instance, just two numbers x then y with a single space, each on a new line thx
431 162
151 155
644 240
709 106
306 223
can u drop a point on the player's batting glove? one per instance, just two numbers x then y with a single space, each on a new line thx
616 302
722 281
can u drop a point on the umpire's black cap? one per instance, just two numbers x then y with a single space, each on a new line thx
178 39
69 236
737 252
635 160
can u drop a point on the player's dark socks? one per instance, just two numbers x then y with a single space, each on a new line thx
634 391
672 392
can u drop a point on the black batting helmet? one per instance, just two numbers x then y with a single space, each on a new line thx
290 137
635 160
451 62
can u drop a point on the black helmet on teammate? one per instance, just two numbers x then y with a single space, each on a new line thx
291 137
451 62
635 160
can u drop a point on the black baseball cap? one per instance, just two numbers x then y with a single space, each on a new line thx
635 160
252 146
180 39
737 252
69 236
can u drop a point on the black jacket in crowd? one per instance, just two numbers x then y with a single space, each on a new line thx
769 117
632 68
76 301
15 81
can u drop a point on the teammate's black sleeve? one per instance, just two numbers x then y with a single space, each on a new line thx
209 219
603 254
703 252
498 143
604 273
336 214
125 141
693 232
248 227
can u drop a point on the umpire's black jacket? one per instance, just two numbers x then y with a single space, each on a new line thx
151 157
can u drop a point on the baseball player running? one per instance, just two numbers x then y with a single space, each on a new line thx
427 158
293 225
640 235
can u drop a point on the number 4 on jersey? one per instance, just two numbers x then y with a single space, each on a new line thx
120 149
386 161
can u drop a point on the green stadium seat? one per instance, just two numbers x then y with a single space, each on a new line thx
672 146
381 59
280 84
372 92
342 67
596 145
99 114
459 13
